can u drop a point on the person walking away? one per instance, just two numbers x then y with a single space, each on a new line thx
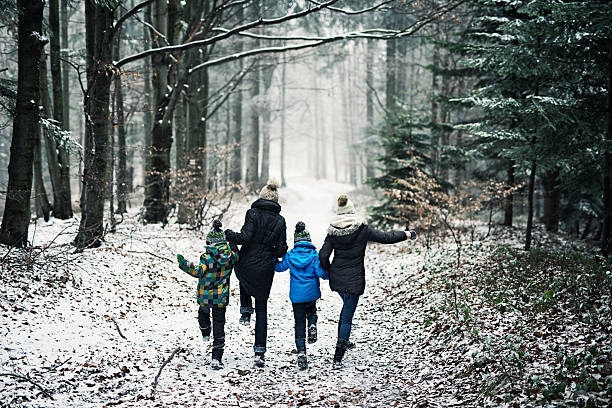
347 237
305 270
264 239
213 275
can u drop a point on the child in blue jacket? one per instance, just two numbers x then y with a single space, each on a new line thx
305 269
213 273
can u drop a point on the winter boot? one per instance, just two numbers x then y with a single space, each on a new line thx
215 362
245 319
302 360
205 333
259 360
350 345
341 347
312 333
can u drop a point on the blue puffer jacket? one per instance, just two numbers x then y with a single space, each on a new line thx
305 269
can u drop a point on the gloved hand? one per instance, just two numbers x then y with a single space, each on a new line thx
226 232
181 260
411 234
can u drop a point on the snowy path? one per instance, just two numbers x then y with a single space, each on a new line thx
67 319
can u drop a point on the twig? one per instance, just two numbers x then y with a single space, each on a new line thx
118 329
177 350
28 379
152 254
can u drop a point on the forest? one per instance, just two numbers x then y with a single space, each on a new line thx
485 126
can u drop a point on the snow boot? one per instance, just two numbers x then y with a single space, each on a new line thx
341 347
312 333
205 333
350 345
259 360
245 319
215 362
302 360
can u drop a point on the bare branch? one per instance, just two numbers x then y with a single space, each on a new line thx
118 329
129 14
28 379
177 350
354 12
212 40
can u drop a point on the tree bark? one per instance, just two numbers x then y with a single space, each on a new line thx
65 71
370 108
26 124
148 103
236 162
122 173
552 200
43 206
62 208
530 200
509 198
607 167
98 25
283 118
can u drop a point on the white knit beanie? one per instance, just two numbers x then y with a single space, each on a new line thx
345 206
270 191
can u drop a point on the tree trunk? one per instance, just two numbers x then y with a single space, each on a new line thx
26 124
509 198
552 200
98 24
346 116
50 143
62 208
530 200
369 143
283 117
157 184
122 173
65 71
43 206
252 171
267 74
236 161
148 103
607 167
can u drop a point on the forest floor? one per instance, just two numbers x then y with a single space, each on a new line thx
503 329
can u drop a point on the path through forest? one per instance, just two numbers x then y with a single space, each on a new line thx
60 329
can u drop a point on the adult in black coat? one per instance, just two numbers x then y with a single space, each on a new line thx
348 237
264 239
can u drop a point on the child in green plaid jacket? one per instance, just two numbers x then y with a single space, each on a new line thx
213 272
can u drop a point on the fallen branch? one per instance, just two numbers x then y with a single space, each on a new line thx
118 329
28 379
176 351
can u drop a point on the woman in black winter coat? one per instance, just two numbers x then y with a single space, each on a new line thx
264 239
348 236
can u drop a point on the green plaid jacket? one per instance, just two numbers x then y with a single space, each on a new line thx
213 273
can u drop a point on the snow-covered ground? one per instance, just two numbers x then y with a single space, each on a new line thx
57 323
60 312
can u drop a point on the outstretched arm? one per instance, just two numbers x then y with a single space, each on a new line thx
189 267
246 232
325 253
382 237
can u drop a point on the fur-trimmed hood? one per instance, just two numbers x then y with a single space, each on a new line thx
345 224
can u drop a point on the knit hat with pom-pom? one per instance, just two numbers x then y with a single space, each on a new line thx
270 191
301 233
215 235
345 206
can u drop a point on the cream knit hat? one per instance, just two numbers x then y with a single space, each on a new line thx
345 206
270 191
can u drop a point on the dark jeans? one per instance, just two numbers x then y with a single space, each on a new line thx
261 318
218 325
246 303
301 313
346 315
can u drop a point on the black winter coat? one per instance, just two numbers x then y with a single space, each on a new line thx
263 238
347 270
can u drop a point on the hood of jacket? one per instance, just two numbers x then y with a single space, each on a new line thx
268 205
302 254
345 224
220 253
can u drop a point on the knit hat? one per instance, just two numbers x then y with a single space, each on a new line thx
215 235
270 191
301 233
345 206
